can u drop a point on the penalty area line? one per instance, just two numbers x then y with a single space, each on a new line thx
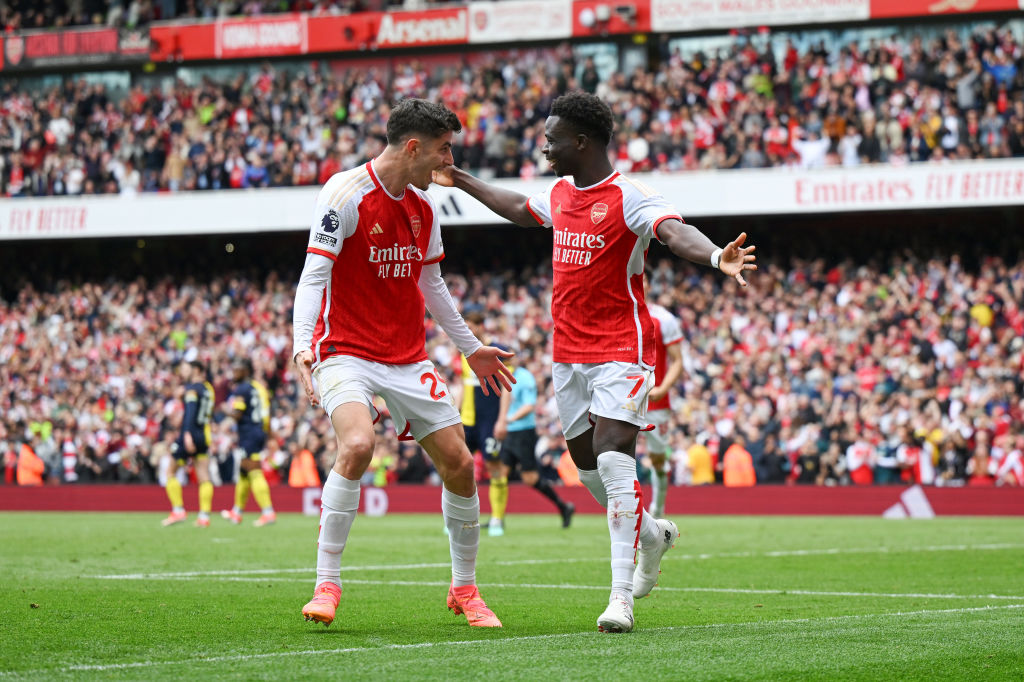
510 640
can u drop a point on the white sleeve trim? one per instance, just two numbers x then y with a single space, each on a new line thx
309 295
442 308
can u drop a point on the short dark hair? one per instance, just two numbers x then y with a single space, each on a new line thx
198 364
587 113
413 116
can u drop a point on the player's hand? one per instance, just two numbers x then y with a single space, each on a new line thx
304 365
500 430
657 393
444 177
190 445
735 259
487 365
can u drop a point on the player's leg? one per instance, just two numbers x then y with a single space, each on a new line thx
460 506
497 488
416 395
339 502
657 449
242 488
261 491
202 465
619 406
174 494
572 396
521 447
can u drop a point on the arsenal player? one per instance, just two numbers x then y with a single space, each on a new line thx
604 339
371 269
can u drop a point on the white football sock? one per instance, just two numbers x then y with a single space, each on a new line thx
462 518
339 502
592 479
659 487
627 524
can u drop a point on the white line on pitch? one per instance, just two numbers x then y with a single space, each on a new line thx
526 562
569 586
510 640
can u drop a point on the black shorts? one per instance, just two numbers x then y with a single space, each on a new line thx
252 443
182 455
521 447
480 437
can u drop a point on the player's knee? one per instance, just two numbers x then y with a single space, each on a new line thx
356 446
530 477
457 469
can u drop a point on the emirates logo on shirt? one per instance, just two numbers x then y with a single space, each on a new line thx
598 212
416 224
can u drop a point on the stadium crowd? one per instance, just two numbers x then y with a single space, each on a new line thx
852 374
898 102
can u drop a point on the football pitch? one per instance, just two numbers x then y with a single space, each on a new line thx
116 596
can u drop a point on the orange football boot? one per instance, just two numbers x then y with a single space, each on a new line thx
466 599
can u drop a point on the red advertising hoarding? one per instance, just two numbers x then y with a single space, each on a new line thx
298 34
887 501
598 17
881 9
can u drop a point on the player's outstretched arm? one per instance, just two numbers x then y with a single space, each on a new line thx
508 204
487 364
686 241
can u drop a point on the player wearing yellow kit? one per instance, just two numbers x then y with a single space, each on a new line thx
193 443
480 412
250 405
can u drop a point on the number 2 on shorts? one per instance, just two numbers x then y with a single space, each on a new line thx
434 379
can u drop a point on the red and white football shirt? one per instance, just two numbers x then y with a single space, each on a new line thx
601 235
667 332
372 306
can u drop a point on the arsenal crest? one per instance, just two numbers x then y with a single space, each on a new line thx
480 19
15 49
416 224
598 212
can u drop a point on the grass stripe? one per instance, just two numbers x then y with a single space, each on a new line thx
511 640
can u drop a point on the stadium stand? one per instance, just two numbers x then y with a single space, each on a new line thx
853 369
905 359
959 95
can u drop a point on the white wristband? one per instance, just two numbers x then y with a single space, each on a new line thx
716 257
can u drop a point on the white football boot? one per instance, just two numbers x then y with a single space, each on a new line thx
648 558
618 617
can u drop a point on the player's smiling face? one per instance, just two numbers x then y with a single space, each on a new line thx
562 146
433 154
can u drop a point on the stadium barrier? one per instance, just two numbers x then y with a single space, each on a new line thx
756 192
888 501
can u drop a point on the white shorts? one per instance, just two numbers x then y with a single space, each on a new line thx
657 438
616 390
417 397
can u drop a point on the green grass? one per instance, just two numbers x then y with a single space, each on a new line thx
740 598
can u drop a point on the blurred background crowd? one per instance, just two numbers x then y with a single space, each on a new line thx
856 366
27 14
748 101
892 370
